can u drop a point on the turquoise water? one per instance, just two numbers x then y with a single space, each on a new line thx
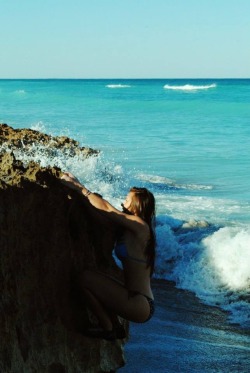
194 136
186 140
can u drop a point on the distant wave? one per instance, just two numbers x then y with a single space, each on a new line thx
154 179
118 86
164 181
189 87
20 91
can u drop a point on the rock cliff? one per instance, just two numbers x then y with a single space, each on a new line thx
30 141
48 235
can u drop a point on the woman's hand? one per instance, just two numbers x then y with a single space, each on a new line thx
131 222
69 177
71 181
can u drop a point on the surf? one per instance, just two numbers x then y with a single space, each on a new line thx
118 86
189 87
211 261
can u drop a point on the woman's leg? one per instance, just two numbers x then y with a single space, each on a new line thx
106 295
98 309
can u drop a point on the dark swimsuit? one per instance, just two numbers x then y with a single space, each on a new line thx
122 253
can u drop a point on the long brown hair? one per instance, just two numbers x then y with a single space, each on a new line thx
143 204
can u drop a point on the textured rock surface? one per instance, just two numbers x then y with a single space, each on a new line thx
47 237
30 139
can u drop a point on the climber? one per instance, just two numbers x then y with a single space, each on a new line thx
135 248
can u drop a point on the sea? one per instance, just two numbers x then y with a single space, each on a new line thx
186 140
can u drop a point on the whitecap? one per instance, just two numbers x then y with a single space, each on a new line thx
156 179
20 91
118 86
189 87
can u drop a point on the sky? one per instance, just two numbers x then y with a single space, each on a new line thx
125 39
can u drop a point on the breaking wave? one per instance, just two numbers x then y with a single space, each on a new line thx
189 87
164 182
201 256
118 86
211 261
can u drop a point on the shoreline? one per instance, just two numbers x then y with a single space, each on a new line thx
186 336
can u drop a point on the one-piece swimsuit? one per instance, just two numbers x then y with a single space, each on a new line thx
121 253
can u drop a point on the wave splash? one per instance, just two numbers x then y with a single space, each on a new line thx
189 87
211 261
105 178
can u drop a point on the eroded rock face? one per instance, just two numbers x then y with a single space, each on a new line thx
31 140
48 235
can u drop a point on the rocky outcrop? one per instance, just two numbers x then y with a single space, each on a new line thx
31 141
48 235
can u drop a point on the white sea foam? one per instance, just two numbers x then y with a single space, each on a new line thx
39 126
189 87
155 179
215 210
214 265
118 86
229 254
100 176
20 91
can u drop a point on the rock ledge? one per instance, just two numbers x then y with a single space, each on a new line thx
48 235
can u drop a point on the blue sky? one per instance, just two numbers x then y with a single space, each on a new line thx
125 39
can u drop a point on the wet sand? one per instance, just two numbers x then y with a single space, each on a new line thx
186 336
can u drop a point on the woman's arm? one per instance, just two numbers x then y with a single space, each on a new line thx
131 222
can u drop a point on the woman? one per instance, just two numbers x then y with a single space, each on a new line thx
135 248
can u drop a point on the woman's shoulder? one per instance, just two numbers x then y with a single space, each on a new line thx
131 222
138 239
137 219
144 230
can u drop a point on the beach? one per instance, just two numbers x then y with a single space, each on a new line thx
156 95
187 141
186 336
